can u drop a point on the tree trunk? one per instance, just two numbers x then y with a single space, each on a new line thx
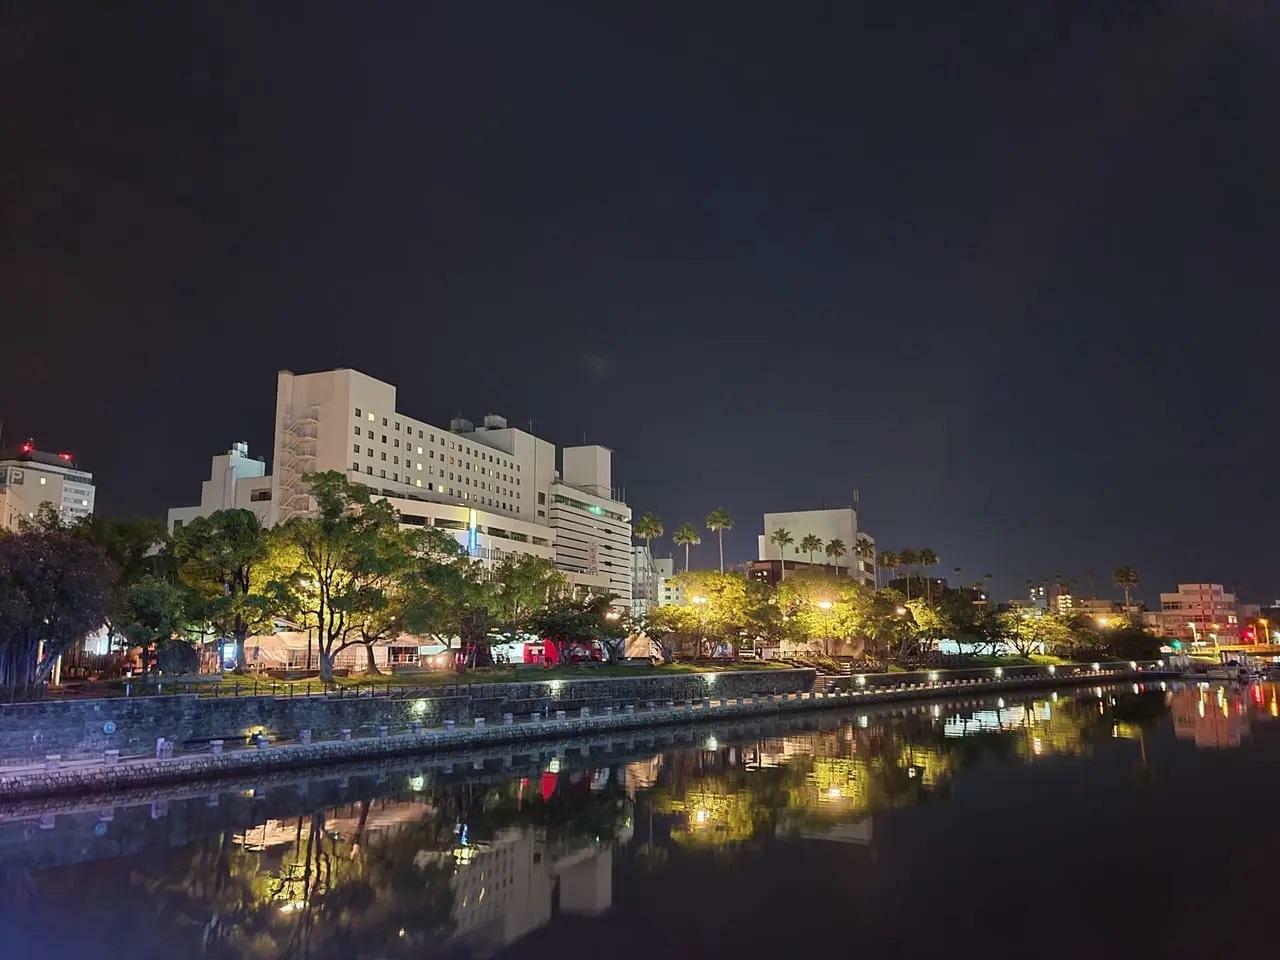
720 536
326 667
371 664
239 649
686 558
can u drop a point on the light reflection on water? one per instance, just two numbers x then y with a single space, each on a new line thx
429 860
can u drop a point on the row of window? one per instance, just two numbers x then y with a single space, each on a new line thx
440 487
431 438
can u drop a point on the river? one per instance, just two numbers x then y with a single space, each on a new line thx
1101 821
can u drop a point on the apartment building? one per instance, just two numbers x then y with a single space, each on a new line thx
1200 612
30 478
496 488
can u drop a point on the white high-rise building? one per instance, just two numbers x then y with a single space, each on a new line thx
30 478
494 487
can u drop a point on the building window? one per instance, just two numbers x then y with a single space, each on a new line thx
369 450
382 474
358 414
369 471
355 467
542 499
384 421
370 432
397 424
371 418
356 448
419 437
418 466
396 461
419 451
357 429
384 455
384 438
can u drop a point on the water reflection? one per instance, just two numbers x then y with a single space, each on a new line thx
424 861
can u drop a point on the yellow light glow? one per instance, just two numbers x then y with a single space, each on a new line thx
824 604
699 600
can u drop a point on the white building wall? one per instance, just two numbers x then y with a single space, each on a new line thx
593 539
827 525
236 481
27 484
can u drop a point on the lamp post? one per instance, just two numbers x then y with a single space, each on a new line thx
825 606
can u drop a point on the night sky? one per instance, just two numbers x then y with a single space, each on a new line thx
1009 269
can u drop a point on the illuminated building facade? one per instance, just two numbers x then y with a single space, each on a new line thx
494 487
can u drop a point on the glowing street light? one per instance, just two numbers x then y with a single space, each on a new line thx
698 600
824 604
1104 621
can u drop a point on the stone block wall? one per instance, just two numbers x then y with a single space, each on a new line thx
85 728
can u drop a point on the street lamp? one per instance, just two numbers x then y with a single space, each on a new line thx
824 604
1103 621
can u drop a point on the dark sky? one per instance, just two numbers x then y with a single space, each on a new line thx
1010 269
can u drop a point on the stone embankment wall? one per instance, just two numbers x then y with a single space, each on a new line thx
86 728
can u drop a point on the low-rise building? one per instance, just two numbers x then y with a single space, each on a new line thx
30 478
839 525
668 588
236 481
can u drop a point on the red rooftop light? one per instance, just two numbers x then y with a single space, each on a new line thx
65 455
27 446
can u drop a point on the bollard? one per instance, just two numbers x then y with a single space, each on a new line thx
48 821
670 704
479 721
608 711
584 712
508 719
160 748
448 725
111 757
629 708
52 761
304 736
345 733
382 730
649 705
215 747
560 714
261 742
415 726
535 718
706 703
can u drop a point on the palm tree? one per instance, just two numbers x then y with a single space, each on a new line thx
686 536
782 538
908 558
927 558
835 550
1126 578
888 561
811 544
718 521
648 528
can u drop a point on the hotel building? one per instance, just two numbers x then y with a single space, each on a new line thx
496 488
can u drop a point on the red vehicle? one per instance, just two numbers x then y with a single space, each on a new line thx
554 652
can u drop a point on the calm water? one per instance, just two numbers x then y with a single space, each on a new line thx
1098 822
